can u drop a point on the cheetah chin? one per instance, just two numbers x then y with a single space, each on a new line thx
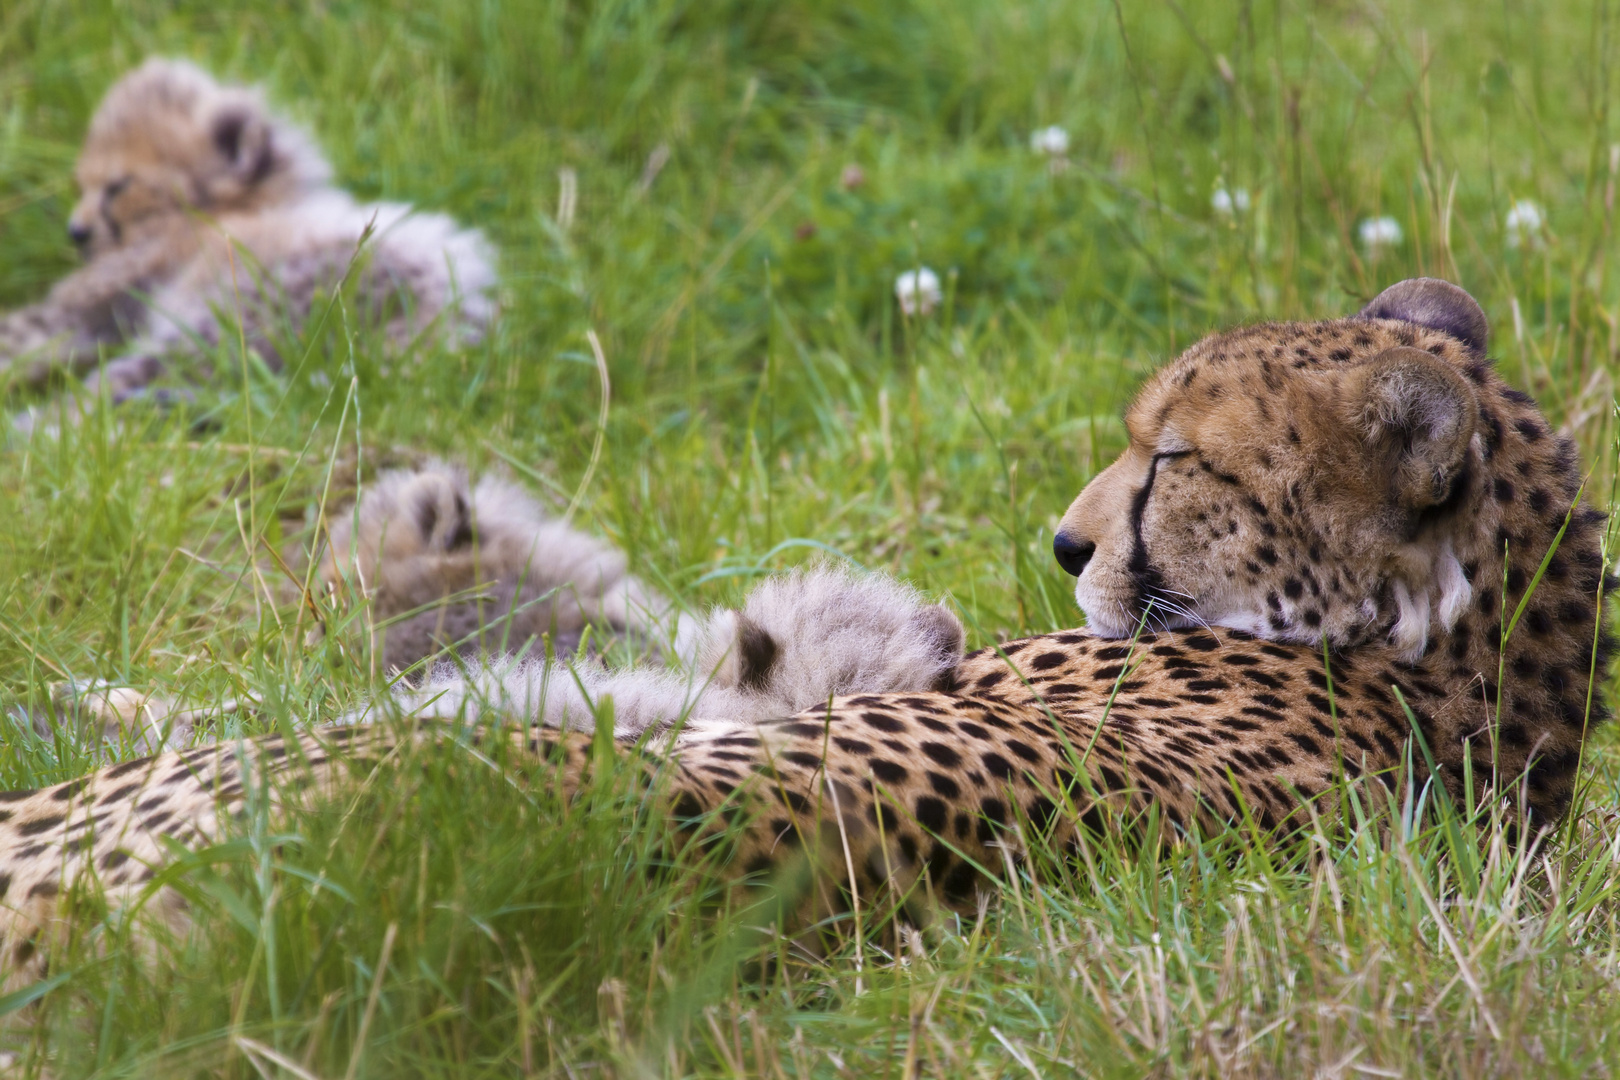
1427 586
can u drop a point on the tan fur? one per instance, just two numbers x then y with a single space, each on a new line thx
197 201
1218 442
1287 478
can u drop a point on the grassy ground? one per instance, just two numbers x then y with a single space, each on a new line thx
768 398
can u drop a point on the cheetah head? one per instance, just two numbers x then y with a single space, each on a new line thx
168 140
1296 481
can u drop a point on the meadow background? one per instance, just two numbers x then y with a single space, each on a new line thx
769 400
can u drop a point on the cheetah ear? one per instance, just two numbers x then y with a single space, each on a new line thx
1415 413
241 134
1438 305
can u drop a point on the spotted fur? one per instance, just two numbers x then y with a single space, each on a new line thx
1313 523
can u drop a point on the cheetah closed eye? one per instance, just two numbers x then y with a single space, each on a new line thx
1361 487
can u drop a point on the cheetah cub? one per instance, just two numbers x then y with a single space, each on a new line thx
201 208
479 570
484 571
798 640
446 566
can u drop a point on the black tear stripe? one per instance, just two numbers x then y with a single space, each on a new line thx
104 207
1140 568
111 222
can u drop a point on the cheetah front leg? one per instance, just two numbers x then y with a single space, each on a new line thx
140 363
92 309
123 379
60 333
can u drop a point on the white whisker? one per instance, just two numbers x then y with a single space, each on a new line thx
1182 612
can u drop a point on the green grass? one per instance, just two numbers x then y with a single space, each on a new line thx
767 394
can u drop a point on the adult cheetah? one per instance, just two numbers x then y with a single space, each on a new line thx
200 206
1313 521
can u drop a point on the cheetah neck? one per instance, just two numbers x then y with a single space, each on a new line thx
1500 603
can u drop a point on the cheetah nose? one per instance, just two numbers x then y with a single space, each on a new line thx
1072 554
79 234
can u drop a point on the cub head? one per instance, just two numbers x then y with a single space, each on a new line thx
168 139
1297 480
407 521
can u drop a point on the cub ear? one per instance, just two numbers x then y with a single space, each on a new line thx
1438 305
1415 414
443 518
241 134
757 652
941 631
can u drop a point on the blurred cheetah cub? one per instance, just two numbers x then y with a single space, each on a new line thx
479 570
200 206
484 571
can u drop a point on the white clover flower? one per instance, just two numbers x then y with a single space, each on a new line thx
1380 232
1525 222
918 291
1052 141
1227 203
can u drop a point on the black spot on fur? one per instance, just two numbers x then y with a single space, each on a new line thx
883 722
462 534
931 814
998 766
69 789
1023 750
115 772
40 824
958 884
888 771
